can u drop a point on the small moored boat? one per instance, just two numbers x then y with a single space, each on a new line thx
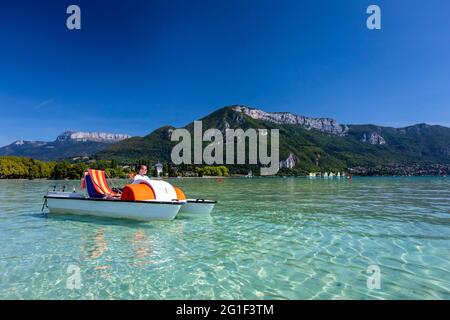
143 200
198 206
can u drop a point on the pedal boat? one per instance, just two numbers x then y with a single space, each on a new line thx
75 203
144 201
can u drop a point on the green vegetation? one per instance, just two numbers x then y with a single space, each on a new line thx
219 171
65 170
15 168
27 168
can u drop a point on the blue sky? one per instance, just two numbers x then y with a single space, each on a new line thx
137 65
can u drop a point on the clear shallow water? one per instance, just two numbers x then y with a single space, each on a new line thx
270 238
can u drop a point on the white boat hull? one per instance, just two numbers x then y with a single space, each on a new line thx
198 206
136 210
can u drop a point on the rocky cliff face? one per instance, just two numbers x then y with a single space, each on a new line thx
373 138
91 136
326 125
289 162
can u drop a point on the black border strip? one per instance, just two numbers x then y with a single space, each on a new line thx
282 309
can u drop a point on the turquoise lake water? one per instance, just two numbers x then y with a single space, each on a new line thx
268 238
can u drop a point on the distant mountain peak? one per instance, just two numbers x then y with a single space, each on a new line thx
81 136
66 145
326 125
19 143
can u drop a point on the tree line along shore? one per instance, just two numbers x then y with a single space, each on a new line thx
12 167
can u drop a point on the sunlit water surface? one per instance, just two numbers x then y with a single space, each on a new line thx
268 238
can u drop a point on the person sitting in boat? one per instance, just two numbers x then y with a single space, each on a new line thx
142 175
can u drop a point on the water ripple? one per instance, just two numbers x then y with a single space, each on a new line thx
267 239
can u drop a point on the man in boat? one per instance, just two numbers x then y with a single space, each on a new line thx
142 175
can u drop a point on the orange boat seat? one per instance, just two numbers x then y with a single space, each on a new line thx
137 192
180 193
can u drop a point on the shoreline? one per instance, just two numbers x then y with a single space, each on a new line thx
244 177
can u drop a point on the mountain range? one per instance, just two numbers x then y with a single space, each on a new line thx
306 143
66 145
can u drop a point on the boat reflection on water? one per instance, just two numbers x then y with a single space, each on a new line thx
137 248
100 244
142 248
99 247
99 251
